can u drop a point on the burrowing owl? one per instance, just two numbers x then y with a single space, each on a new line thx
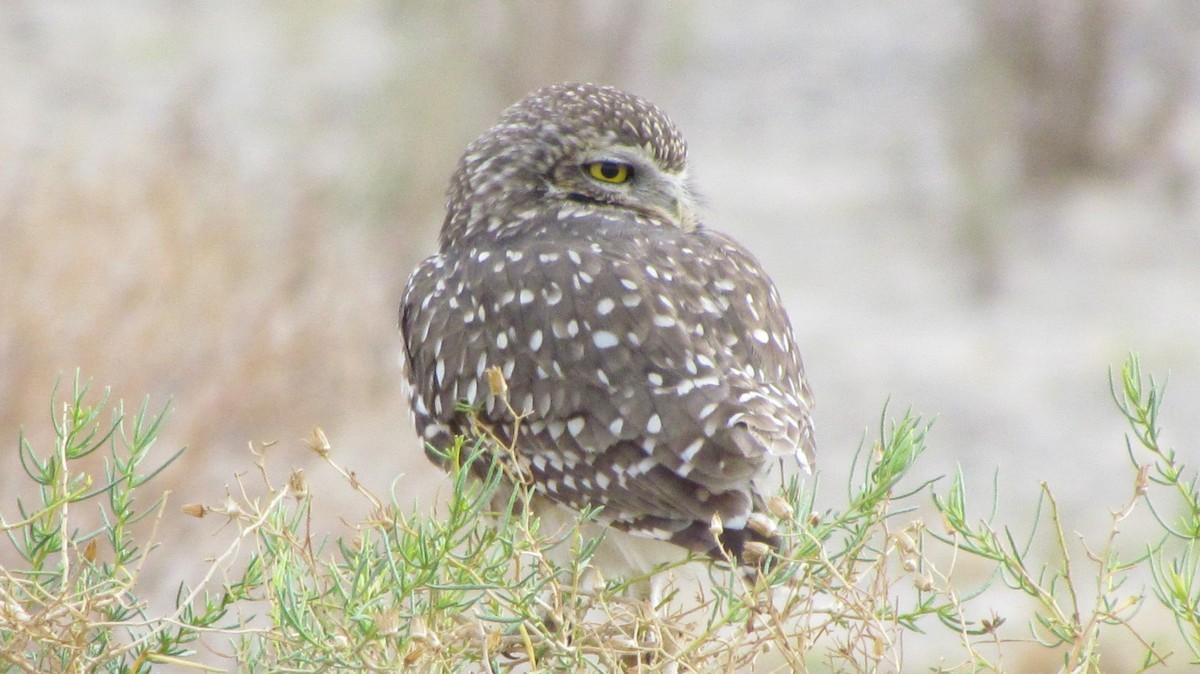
651 357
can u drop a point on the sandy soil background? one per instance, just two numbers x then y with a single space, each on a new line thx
973 211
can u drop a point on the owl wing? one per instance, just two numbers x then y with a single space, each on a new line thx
654 370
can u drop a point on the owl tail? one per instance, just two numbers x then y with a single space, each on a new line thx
747 541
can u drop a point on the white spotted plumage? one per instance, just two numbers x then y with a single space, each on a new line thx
650 358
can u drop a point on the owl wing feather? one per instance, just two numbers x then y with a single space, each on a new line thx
653 368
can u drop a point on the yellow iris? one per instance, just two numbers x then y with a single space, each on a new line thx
609 171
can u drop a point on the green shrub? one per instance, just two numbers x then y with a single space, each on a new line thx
471 590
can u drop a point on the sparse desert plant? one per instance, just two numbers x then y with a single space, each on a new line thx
471 589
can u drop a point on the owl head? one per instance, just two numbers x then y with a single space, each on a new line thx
582 145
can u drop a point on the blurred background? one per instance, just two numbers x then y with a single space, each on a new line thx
972 210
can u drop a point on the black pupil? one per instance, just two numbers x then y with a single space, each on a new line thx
610 169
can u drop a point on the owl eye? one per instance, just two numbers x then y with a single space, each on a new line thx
609 171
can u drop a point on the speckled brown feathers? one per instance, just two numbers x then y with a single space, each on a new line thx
651 357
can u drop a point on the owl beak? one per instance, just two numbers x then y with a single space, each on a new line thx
676 212
680 206
684 215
